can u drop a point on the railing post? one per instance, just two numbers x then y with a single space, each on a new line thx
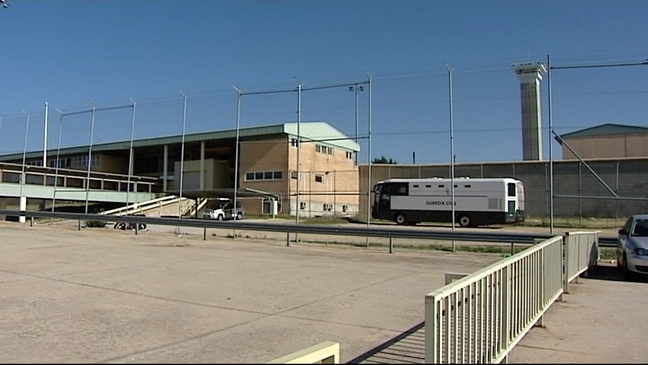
565 261
391 245
204 233
287 239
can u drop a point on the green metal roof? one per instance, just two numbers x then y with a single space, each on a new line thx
321 131
314 131
606 130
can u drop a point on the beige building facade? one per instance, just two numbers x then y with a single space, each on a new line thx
606 141
317 177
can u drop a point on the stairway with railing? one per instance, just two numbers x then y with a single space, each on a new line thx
165 206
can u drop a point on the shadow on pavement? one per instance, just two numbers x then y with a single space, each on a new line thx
406 348
611 273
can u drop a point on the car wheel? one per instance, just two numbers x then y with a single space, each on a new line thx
627 274
220 217
464 221
619 261
239 216
400 219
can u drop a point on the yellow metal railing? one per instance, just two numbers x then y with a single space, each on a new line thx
481 317
581 254
324 353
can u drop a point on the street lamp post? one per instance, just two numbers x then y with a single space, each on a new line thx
236 156
452 189
23 199
355 88
182 151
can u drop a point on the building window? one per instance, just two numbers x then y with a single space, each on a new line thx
302 205
264 176
82 161
349 155
323 149
293 142
345 208
63 162
319 178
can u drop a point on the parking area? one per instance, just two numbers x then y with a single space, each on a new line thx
106 295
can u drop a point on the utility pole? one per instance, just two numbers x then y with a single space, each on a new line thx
452 189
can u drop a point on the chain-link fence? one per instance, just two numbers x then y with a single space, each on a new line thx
406 116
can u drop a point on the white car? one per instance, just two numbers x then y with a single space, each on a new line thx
224 212
632 246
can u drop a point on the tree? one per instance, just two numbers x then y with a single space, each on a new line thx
384 159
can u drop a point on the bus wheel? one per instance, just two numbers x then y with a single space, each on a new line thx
464 221
400 219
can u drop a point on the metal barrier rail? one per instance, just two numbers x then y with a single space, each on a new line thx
411 233
607 241
481 317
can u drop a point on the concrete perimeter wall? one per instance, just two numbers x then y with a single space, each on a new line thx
577 190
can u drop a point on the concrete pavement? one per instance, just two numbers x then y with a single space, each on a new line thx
104 295
599 321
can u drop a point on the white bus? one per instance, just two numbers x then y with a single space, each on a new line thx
478 201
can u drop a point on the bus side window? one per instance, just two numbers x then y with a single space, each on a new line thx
511 189
399 189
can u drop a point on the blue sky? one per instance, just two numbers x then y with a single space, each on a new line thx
77 54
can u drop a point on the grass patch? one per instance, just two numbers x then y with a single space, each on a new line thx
607 253
305 220
324 220
574 222
559 222
487 249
